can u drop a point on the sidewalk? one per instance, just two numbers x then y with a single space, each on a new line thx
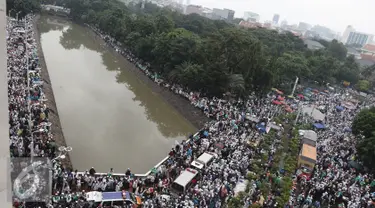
4 123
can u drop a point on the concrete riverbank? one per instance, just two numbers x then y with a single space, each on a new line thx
56 129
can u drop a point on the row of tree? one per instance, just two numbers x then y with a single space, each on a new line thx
364 128
214 56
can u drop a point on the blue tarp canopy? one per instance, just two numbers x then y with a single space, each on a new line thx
339 108
347 129
319 125
205 133
261 128
112 195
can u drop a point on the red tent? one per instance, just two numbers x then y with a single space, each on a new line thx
301 96
280 98
279 92
288 109
276 102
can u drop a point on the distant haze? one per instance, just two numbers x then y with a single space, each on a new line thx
335 14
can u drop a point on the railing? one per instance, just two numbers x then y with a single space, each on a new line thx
139 175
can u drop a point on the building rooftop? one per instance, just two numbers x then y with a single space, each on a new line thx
364 62
312 44
369 57
309 151
352 50
250 24
369 47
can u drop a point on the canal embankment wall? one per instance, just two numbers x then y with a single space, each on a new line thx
53 116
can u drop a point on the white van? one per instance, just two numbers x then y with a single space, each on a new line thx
203 160
111 199
183 181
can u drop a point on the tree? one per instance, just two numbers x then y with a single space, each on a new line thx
22 7
366 151
212 56
363 127
288 66
363 124
363 85
337 50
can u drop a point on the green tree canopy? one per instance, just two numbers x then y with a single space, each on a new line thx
364 128
363 123
210 56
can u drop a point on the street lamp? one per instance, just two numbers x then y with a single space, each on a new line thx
17 15
9 12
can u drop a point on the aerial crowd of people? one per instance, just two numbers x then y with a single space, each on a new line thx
235 122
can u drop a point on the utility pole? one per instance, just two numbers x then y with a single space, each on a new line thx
9 12
295 85
17 15
298 113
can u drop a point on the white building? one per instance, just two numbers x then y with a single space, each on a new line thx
351 36
251 16
224 14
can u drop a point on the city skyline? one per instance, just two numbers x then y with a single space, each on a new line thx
334 14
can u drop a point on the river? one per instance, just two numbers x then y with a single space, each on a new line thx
109 117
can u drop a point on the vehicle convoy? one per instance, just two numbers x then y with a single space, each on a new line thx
189 176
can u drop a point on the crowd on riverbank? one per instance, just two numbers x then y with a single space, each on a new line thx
30 128
227 135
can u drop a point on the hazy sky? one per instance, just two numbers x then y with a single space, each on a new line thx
335 14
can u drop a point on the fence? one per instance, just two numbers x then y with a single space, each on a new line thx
140 175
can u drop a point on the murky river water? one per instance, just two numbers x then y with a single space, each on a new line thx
109 117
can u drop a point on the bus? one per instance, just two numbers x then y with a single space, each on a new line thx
184 181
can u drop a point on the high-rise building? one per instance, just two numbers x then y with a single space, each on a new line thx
357 38
224 14
190 9
230 16
304 26
275 19
324 32
347 31
251 16
353 37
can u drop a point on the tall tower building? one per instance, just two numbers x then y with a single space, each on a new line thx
187 2
275 19
347 31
